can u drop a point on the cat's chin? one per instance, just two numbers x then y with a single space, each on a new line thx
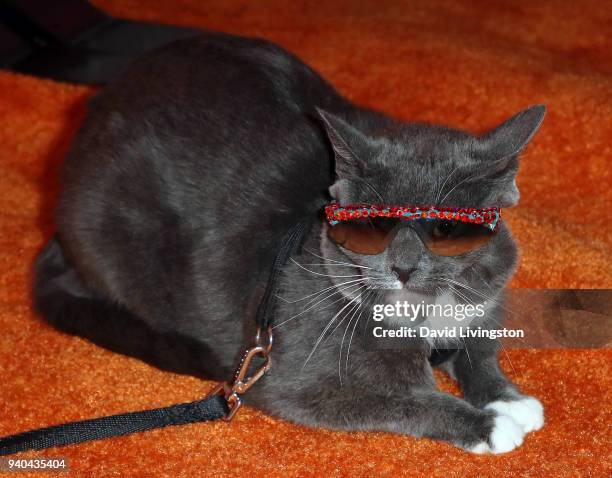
412 295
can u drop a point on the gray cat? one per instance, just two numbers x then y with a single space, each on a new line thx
184 177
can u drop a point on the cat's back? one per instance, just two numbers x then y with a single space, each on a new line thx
215 121
198 144
210 99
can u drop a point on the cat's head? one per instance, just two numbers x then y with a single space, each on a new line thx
382 161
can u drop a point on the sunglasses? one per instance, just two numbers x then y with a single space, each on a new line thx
370 228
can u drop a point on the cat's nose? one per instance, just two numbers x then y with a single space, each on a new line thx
403 274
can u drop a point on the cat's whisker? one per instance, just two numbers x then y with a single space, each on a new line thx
348 350
337 326
332 303
444 184
460 294
469 301
475 176
322 300
508 357
498 323
337 265
481 294
433 342
372 188
352 313
467 287
317 293
473 268
377 296
315 301
328 326
328 275
467 353
373 283
330 260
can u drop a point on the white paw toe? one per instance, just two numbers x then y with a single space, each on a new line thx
505 436
528 412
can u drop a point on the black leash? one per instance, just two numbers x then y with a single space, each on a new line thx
210 408
222 402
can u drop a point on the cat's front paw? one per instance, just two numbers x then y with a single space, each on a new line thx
528 412
505 436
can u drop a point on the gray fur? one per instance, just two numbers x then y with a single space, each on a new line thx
178 188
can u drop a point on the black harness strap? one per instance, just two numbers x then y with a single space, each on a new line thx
290 245
212 407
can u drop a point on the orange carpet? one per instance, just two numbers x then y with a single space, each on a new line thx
469 64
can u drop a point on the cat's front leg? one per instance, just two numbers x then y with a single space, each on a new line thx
485 386
441 416
419 412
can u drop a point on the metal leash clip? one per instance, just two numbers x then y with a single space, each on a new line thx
241 383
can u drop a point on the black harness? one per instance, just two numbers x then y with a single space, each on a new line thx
222 403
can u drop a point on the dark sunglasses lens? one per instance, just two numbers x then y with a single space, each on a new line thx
453 238
364 236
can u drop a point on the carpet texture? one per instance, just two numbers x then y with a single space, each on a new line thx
467 64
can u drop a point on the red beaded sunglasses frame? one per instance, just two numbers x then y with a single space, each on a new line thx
489 217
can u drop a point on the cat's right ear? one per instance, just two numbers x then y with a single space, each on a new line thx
346 141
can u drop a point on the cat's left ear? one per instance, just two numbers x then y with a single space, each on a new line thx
497 151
